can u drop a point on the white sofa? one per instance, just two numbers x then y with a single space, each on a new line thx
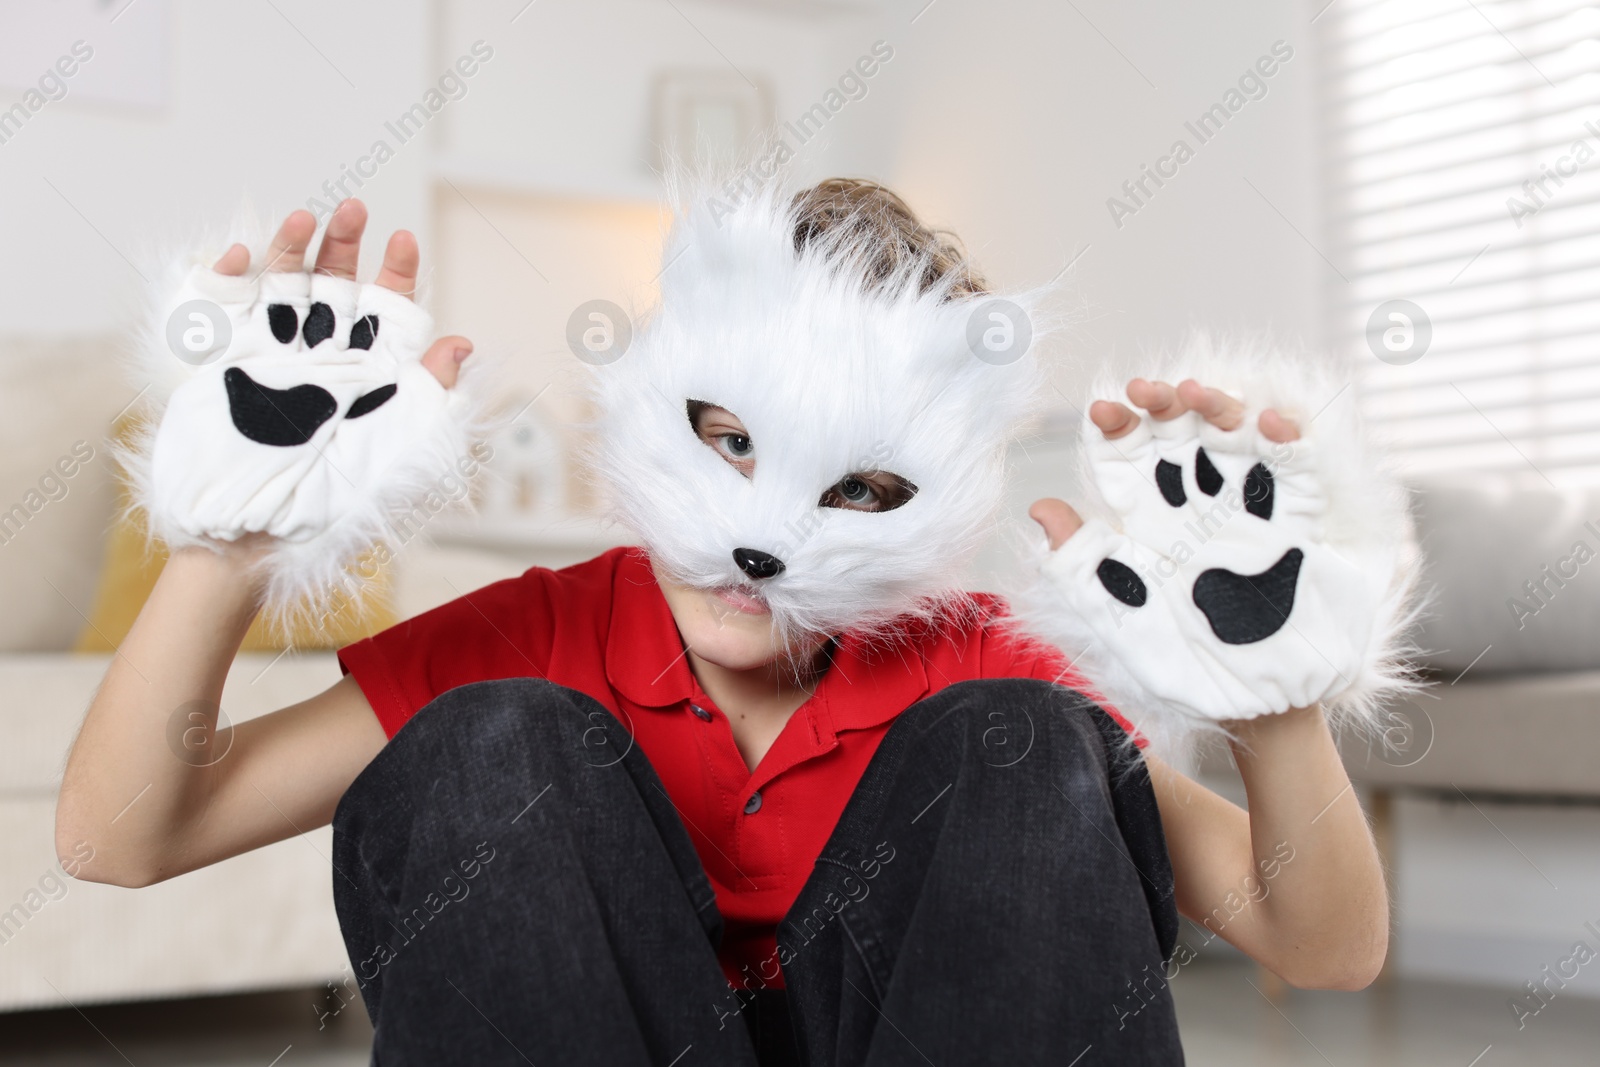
260 921
263 920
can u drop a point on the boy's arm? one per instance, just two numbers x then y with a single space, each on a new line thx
1296 883
133 810
135 806
1245 580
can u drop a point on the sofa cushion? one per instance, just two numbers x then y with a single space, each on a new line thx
1512 566
57 489
43 698
131 563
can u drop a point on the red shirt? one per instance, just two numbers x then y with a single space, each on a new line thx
604 628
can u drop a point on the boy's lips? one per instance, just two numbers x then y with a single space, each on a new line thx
740 600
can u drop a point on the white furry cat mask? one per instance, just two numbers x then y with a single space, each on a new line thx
835 368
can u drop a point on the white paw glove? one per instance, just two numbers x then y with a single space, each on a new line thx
1231 576
295 405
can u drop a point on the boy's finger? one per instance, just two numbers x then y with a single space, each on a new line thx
1114 420
400 261
341 245
234 262
1276 428
1161 400
288 249
1215 406
1059 519
443 359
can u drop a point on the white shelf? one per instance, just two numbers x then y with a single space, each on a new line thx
546 180
520 534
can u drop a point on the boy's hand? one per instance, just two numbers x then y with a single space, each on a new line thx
305 418
1163 403
341 249
1240 561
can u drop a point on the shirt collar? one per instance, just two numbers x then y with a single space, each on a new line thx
645 658
868 683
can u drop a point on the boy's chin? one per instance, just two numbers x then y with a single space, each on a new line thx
733 640
719 633
735 652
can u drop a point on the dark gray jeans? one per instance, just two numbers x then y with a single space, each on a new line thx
514 886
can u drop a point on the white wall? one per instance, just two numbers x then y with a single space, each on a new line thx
1014 121
567 97
251 110
1011 121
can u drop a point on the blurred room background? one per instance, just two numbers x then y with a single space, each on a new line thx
1412 185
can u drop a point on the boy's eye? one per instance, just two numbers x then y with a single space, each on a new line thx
724 433
874 491
855 491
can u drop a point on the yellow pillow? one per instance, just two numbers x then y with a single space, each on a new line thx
129 574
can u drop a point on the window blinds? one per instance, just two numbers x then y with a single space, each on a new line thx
1463 139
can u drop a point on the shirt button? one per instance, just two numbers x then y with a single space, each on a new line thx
700 713
753 805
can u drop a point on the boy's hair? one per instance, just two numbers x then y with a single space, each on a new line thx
863 214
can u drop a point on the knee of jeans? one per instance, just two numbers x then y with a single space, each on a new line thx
473 747
534 717
1013 722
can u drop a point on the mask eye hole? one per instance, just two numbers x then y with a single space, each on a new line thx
868 491
724 434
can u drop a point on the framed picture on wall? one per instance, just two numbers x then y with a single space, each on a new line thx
706 114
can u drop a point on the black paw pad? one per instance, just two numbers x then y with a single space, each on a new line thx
279 417
369 402
1245 608
319 324
284 322
1259 491
1206 475
362 333
1121 582
1169 479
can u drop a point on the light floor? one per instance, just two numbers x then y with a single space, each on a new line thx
1226 1022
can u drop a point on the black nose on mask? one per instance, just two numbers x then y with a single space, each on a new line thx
758 564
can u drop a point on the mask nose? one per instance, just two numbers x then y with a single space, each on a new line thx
758 564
